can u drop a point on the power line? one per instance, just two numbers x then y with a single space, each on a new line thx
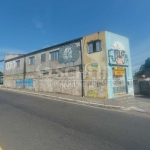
141 53
140 62
139 59
141 56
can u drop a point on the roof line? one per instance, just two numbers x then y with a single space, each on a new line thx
44 49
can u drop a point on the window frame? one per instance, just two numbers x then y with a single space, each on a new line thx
50 55
94 46
45 58
30 60
17 63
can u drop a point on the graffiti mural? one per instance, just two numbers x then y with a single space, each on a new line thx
95 67
26 82
118 81
117 55
92 93
69 53
10 65
130 87
130 83
66 81
96 81
119 84
19 82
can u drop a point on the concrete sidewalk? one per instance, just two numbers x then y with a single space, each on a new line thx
122 103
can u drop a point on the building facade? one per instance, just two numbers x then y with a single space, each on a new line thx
142 83
97 65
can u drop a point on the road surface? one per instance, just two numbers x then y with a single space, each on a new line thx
35 123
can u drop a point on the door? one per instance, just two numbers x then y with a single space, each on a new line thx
119 81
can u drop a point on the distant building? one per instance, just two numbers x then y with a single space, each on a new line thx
142 83
96 65
147 73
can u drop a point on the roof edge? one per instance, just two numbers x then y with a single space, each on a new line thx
44 49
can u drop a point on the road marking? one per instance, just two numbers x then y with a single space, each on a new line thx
1 148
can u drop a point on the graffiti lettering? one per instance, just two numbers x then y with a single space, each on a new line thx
27 82
118 57
118 81
130 83
10 65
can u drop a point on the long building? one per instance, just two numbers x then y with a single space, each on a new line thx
96 65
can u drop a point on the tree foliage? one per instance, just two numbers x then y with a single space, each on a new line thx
143 67
147 63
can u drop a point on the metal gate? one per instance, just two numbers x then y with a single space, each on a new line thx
144 87
119 83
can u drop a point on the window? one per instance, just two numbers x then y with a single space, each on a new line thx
43 57
54 55
18 63
94 46
31 60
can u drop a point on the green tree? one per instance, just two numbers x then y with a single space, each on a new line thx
147 63
143 67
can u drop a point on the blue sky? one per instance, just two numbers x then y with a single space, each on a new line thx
28 25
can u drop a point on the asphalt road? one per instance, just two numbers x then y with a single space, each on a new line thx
36 123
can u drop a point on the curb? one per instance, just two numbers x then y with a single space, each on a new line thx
135 109
80 102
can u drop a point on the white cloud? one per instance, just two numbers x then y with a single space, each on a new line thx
39 25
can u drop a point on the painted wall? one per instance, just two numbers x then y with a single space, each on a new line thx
62 75
12 72
10 67
66 81
118 55
10 80
51 64
95 68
